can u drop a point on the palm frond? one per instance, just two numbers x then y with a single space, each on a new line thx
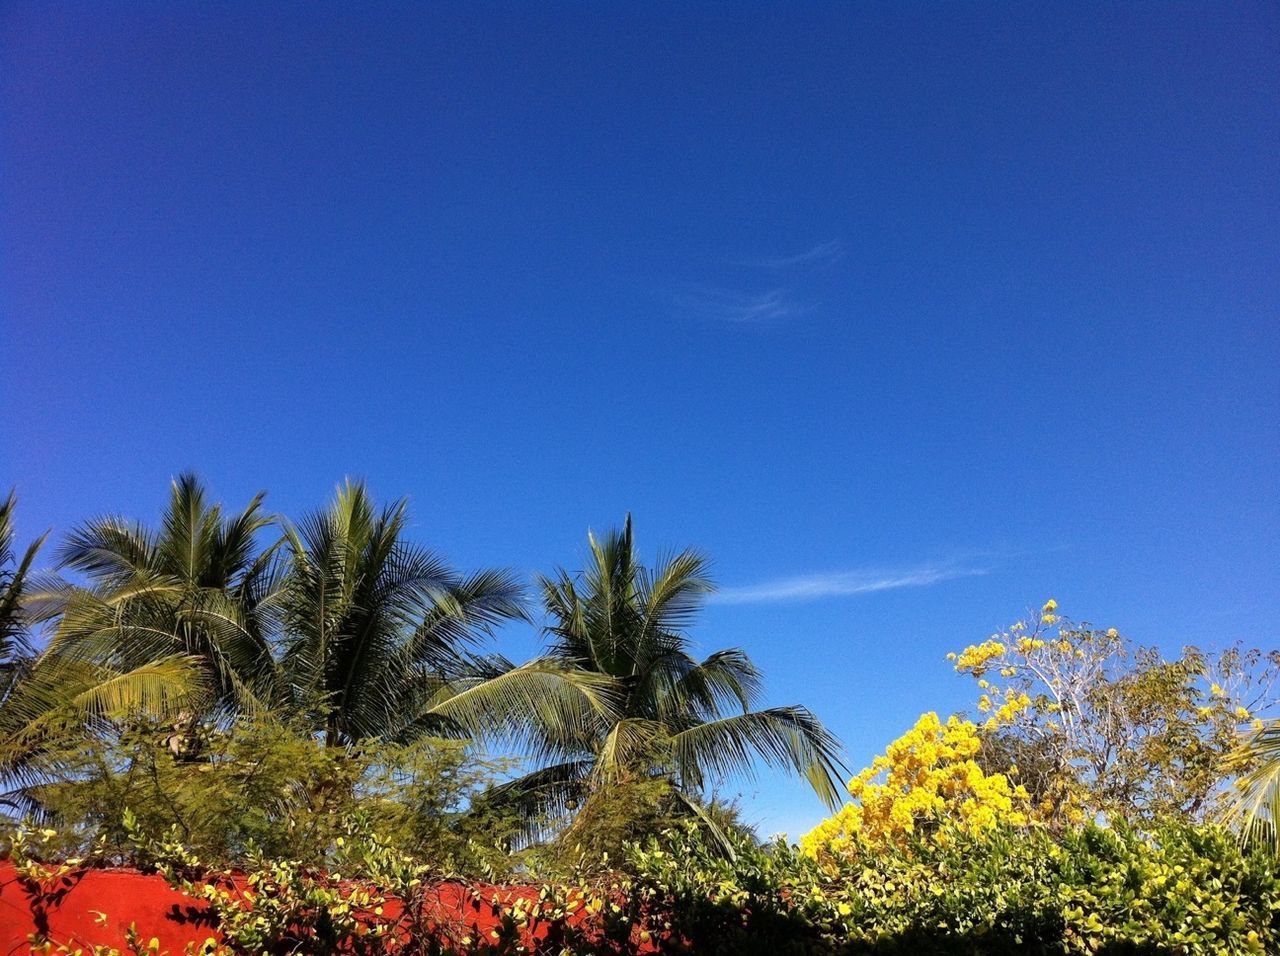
725 678
790 738
1255 811
189 529
15 573
540 703
60 697
673 595
458 615
543 797
109 548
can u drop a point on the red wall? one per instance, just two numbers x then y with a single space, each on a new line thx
71 916
96 907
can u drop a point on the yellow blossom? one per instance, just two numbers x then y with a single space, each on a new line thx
926 776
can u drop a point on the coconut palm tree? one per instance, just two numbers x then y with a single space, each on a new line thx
15 576
1256 808
49 703
690 721
381 639
199 587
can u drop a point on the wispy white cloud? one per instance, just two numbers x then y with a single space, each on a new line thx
744 309
813 587
824 253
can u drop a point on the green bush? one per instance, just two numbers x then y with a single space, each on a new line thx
260 787
1185 890
1180 890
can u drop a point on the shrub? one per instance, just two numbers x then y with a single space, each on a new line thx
1183 889
259 785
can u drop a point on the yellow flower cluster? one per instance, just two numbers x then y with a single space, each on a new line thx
924 778
1015 655
1003 709
976 657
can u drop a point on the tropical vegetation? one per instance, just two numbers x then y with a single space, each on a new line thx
676 722
184 650
302 698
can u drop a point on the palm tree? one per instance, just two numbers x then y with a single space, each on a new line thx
689 721
49 703
15 575
199 587
381 639
1256 809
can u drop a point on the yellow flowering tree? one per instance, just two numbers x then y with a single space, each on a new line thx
926 778
1100 726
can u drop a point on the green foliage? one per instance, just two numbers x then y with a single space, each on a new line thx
15 577
51 702
376 628
1256 807
198 586
341 628
282 907
1182 889
305 701
673 718
384 901
260 789
1097 724
614 817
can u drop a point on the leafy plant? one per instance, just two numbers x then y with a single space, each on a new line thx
1182 889
266 788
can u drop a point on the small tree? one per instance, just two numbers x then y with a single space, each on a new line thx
1098 725
261 785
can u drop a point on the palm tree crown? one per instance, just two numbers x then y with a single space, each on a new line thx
1255 810
15 576
690 720
199 587
381 638
51 700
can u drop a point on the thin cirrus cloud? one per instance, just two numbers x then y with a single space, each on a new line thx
758 308
737 308
824 253
816 587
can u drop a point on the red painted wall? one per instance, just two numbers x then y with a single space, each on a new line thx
96 907
72 916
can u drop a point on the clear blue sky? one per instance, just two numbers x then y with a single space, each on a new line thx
978 303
